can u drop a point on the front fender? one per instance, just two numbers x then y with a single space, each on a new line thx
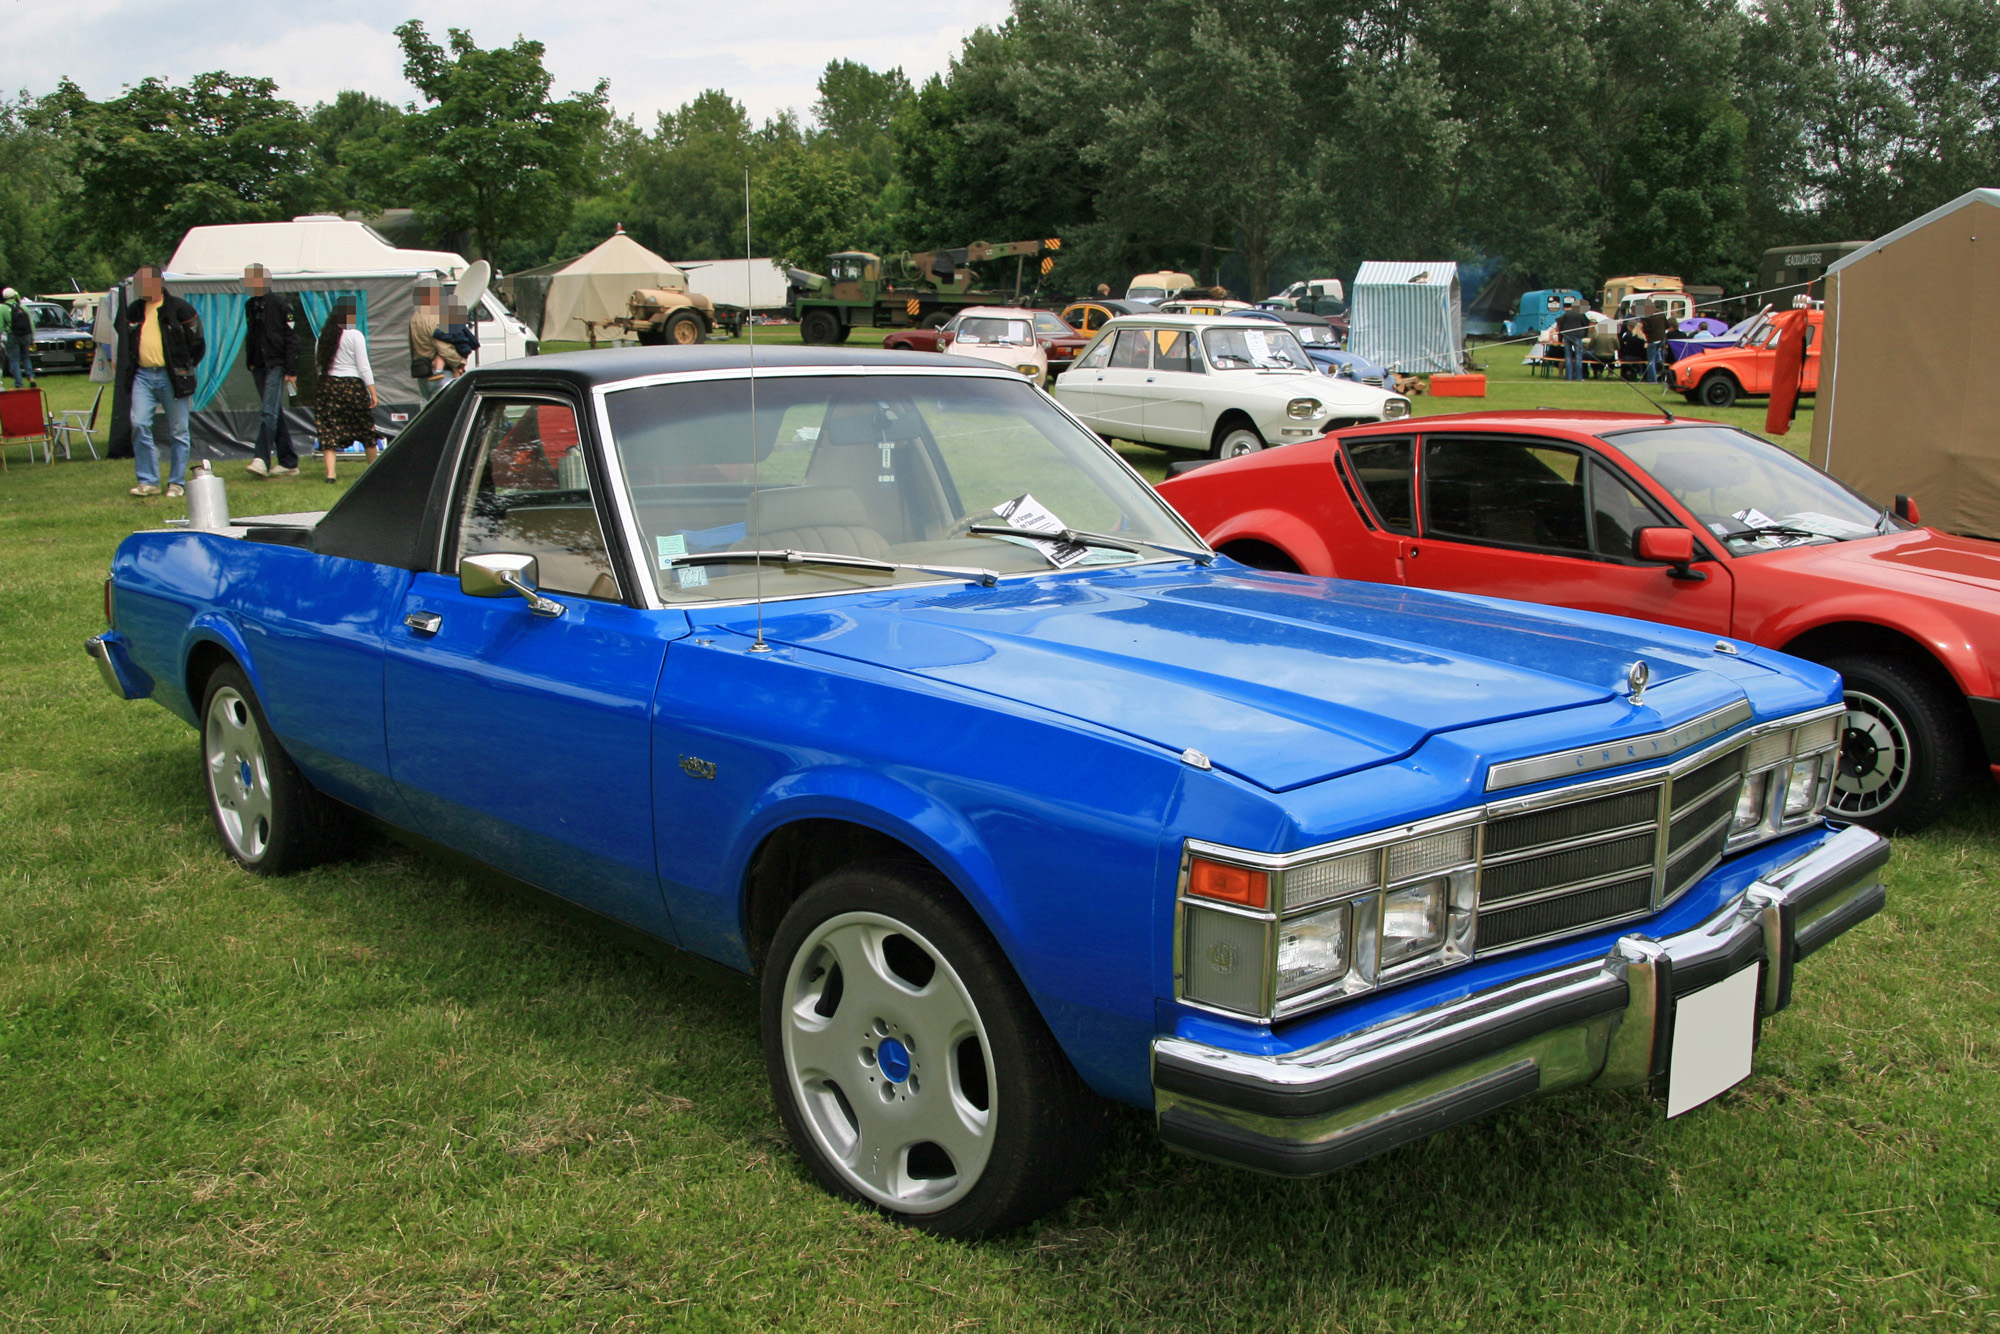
1934 628
1287 532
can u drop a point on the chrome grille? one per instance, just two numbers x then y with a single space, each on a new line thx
1563 866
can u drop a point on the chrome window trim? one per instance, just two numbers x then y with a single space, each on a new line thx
1583 759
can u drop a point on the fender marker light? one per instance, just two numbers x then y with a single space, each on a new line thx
1228 884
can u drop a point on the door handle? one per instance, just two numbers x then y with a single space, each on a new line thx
423 622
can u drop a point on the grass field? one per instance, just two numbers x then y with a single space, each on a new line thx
397 1094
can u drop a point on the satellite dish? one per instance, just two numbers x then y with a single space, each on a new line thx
471 289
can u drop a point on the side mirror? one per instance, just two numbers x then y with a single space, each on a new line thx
1668 546
1906 510
501 574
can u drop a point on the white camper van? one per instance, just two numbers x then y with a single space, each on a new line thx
323 243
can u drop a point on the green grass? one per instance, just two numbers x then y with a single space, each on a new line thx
396 1094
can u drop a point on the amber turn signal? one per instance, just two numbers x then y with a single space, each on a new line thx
1229 884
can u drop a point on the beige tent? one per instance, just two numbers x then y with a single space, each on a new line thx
598 284
1909 396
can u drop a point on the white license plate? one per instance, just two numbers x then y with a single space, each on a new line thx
1714 1031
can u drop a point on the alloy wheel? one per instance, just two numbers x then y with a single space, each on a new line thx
1874 757
239 774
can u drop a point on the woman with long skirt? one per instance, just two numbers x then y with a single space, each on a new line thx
344 407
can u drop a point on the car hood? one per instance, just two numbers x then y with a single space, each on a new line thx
1909 563
1281 680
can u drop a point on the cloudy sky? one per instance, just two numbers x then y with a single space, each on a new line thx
657 53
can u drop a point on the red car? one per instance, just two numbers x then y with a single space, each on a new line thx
1686 522
1057 338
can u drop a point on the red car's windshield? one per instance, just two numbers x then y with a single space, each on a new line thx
1754 495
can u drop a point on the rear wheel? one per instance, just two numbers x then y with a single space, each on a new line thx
1903 755
819 326
912 1071
271 820
1718 390
684 329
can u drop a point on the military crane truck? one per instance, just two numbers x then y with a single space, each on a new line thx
923 289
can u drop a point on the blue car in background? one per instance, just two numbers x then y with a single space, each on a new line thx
1538 310
1322 343
877 675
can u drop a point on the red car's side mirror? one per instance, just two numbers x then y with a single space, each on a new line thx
1668 546
1906 509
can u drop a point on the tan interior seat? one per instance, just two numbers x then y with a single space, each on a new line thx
815 518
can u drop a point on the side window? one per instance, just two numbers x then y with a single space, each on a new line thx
530 495
1505 491
1617 512
1097 356
1129 352
1384 467
1173 350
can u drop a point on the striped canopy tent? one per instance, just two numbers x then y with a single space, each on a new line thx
1405 315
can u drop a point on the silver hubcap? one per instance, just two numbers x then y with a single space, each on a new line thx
1874 757
889 1062
239 780
1238 443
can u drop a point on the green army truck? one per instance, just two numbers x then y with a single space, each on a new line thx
923 289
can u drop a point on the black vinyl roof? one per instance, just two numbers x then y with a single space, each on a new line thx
586 370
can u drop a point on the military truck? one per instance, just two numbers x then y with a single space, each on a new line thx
921 289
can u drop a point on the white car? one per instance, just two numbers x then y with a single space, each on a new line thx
1005 334
1228 386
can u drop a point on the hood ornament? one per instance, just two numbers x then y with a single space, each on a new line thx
1636 677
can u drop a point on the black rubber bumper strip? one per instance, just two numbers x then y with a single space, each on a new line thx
1815 934
1247 1148
1347 1086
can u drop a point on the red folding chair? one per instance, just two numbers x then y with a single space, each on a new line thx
24 419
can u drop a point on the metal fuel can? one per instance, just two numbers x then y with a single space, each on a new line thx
207 499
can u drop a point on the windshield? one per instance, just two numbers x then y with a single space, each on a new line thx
890 468
1314 335
1754 495
1144 293
1271 349
1046 323
983 329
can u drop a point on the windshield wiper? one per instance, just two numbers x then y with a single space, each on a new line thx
984 578
1078 537
1770 530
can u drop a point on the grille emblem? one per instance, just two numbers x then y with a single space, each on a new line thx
1636 677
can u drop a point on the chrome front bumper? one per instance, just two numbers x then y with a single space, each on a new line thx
1608 1022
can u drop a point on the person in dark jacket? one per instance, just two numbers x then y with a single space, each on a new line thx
1653 321
1572 325
163 344
271 346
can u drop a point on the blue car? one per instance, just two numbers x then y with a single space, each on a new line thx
1538 310
877 675
1322 345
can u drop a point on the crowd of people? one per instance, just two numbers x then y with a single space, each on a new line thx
1592 343
167 344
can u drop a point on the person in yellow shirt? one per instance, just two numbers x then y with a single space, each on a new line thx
167 344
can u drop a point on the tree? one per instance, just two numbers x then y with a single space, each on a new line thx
493 153
160 159
40 247
805 206
357 141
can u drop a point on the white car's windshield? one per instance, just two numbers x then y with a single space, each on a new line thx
888 469
1273 349
1753 495
983 329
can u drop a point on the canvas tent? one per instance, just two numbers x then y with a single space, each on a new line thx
1405 316
1909 395
527 292
598 284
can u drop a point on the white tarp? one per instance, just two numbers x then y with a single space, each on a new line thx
598 286
750 284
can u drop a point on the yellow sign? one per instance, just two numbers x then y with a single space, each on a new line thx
1048 263
913 305
1053 243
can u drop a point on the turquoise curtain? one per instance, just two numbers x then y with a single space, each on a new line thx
222 324
319 305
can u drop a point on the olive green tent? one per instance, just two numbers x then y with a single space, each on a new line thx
1909 395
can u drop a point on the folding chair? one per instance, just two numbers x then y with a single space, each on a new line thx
76 422
24 419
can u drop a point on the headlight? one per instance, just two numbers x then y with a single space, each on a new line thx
1030 371
1395 409
1412 921
1303 409
1790 778
1312 950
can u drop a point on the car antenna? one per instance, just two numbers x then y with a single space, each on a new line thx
756 521
1660 408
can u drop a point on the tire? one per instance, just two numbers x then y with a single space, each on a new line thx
840 333
1903 754
271 821
650 337
1233 442
684 330
1718 390
819 326
911 1069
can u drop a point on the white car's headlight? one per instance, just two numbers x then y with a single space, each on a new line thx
1395 409
1304 409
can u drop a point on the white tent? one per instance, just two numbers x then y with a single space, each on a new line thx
598 285
1406 317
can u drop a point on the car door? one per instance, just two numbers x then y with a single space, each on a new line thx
522 739
1176 408
1544 520
1122 385
1377 477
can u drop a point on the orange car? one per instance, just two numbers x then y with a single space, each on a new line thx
1717 378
